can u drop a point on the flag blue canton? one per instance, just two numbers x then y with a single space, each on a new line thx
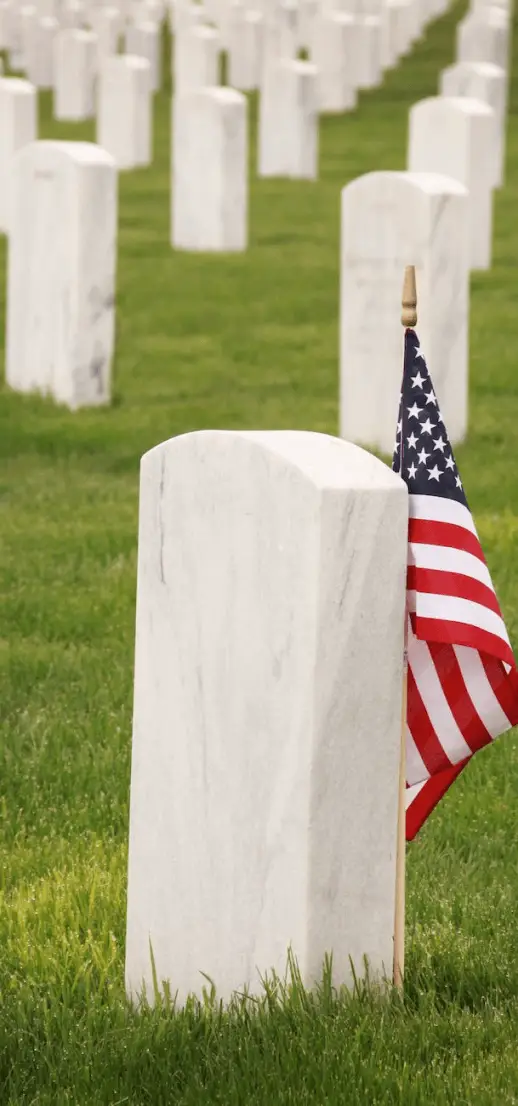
422 453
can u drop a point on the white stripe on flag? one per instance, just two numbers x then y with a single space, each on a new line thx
450 609
480 691
447 559
435 702
436 509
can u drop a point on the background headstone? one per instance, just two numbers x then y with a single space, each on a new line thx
124 114
388 220
210 170
18 127
61 272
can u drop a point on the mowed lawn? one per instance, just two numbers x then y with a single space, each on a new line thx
245 341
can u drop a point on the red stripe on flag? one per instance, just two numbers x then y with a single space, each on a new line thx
461 633
460 703
429 796
435 581
428 532
427 743
504 685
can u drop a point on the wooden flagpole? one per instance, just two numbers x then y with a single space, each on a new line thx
408 318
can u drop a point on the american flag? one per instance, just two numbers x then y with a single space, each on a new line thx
462 678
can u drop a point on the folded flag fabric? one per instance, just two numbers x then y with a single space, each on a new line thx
462 677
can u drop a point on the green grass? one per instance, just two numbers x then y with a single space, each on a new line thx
245 341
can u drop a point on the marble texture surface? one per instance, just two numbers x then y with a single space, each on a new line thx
18 127
334 48
486 82
288 121
455 135
264 780
209 195
390 220
75 65
196 59
125 110
61 272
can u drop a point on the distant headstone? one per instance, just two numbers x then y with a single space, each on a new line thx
28 19
124 116
390 219
369 60
14 38
244 48
210 170
279 35
196 59
143 40
107 24
486 82
61 273
39 55
264 780
288 121
335 43
73 14
75 64
455 136
484 37
18 127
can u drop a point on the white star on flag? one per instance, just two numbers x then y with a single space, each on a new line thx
427 427
414 411
412 441
434 474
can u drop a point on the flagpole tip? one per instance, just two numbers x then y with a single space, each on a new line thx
409 298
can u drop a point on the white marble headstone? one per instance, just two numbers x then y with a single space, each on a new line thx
369 60
390 220
209 193
244 35
73 14
39 58
75 67
455 136
124 110
484 37
144 40
486 82
334 47
18 127
61 272
196 59
264 780
107 23
288 121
